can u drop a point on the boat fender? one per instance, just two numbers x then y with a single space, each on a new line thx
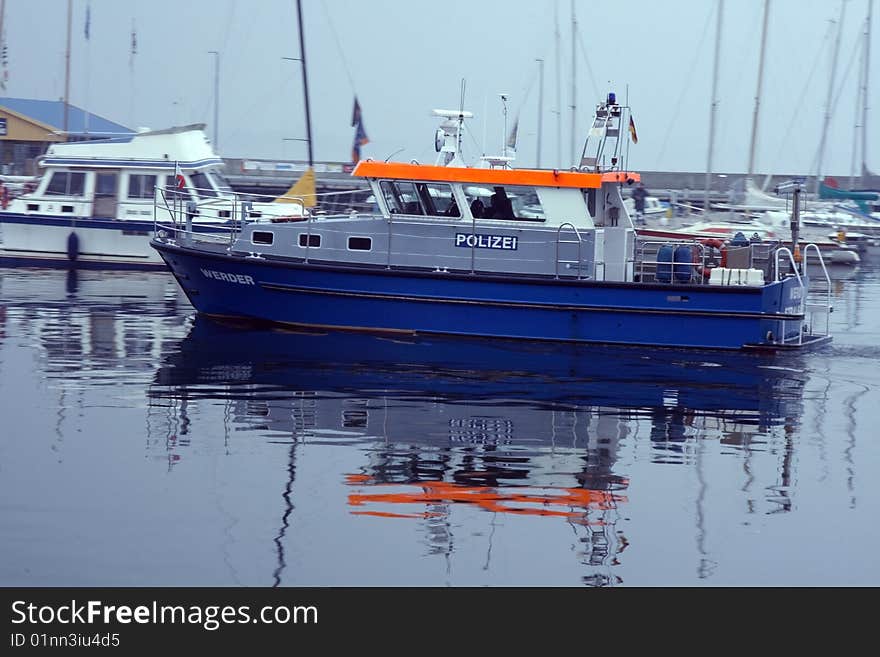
71 284
72 246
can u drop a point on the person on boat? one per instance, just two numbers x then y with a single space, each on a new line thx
500 206
477 208
639 195
452 210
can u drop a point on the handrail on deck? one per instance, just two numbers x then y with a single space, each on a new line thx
579 243
828 307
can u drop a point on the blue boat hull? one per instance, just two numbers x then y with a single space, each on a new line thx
376 299
218 361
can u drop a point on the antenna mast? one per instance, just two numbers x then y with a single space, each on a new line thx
573 79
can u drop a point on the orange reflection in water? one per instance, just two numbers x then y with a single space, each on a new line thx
569 503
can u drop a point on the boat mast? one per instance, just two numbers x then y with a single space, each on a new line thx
867 55
302 54
828 101
857 127
216 54
558 85
758 92
67 68
540 109
573 81
714 106
2 38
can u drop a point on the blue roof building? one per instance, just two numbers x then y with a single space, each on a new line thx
28 126
80 124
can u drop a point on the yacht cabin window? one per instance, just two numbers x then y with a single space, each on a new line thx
105 185
179 194
66 183
141 185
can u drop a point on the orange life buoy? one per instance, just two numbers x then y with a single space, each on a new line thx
712 243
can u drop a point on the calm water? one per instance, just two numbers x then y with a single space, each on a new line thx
141 445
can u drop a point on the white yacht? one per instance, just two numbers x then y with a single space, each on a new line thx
96 201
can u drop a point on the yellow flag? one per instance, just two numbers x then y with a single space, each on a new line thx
304 189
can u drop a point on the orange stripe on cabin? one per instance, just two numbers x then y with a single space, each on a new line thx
527 177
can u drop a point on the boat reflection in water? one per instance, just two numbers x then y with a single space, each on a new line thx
511 427
92 326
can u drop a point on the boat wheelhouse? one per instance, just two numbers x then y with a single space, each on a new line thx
495 251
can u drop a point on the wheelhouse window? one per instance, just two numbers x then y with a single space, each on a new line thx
66 183
513 202
141 185
420 198
202 184
312 241
360 243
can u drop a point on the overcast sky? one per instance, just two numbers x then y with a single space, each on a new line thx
404 58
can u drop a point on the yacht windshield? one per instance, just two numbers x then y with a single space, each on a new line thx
220 182
203 185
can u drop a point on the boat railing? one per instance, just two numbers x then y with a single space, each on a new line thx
221 217
176 215
780 275
559 241
824 308
651 267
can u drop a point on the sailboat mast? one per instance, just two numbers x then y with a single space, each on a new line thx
67 68
302 53
2 15
558 85
867 55
758 92
573 81
828 101
857 128
714 106
540 109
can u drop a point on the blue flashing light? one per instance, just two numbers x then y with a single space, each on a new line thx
612 99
